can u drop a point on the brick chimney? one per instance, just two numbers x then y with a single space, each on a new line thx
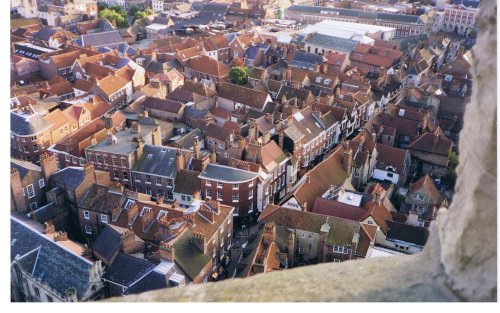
145 113
146 219
61 236
167 251
347 160
291 249
135 127
197 148
199 240
88 170
325 229
132 213
48 164
16 187
213 157
180 161
48 228
269 233
207 213
115 211
128 240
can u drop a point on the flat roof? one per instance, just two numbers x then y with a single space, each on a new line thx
157 26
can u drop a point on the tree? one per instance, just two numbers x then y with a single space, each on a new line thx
101 6
112 15
119 9
453 160
239 75
134 9
142 14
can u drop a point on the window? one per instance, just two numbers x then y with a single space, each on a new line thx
86 215
148 179
221 146
209 194
236 196
183 198
137 177
23 139
250 194
97 159
104 218
250 207
236 186
188 198
170 183
88 229
49 299
105 159
31 191
33 206
124 162
35 148
41 183
26 150
158 180
250 184
113 159
116 174
219 195
125 175
148 190
208 183
219 185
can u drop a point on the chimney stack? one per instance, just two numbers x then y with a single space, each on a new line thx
48 228
48 164
132 213
180 161
197 148
347 160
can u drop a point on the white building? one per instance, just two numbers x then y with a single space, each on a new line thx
458 17
353 31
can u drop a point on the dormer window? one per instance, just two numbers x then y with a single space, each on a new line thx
145 210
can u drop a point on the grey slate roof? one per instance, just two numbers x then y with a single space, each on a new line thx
193 112
187 141
45 33
332 42
358 13
48 261
157 278
108 243
23 167
26 125
158 161
126 269
306 59
407 233
101 199
47 212
71 177
109 39
226 174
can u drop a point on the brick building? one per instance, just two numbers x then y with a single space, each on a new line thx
30 136
231 186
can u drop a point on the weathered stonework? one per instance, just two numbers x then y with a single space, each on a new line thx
459 260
